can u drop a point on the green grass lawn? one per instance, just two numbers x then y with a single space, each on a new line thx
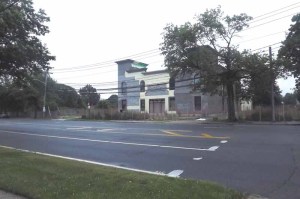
37 176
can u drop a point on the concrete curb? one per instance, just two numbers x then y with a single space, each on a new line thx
6 195
206 122
256 197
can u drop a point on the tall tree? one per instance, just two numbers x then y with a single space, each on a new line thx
16 98
256 84
290 51
21 51
25 96
297 94
89 95
214 32
290 98
113 101
67 96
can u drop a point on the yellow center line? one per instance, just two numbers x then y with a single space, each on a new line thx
183 131
171 133
166 133
203 135
208 136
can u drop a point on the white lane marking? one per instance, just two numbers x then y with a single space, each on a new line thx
60 126
90 162
213 148
201 119
79 128
175 173
224 141
198 158
105 130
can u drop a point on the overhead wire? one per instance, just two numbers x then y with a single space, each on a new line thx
156 51
276 10
255 21
158 77
117 90
266 46
261 37
251 27
110 62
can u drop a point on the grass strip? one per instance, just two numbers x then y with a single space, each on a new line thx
37 176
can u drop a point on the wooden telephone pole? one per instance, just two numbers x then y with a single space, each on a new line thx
272 84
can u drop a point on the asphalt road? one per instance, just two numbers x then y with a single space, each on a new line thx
256 159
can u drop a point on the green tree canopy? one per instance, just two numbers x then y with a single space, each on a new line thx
67 96
297 94
258 79
21 51
113 101
89 95
103 104
206 48
24 96
290 98
290 51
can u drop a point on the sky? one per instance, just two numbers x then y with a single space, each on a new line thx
87 37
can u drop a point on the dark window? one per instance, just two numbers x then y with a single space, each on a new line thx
197 102
142 86
142 105
123 88
172 105
124 105
196 79
172 83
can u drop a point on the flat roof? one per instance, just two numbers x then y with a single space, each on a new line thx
124 61
156 72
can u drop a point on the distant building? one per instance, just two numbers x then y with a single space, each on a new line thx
156 92
246 105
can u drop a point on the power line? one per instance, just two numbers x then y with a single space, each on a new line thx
128 92
96 65
149 90
251 27
244 41
266 46
128 81
110 62
148 85
115 82
159 77
255 21
276 10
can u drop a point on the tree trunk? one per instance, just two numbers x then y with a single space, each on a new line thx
230 102
35 112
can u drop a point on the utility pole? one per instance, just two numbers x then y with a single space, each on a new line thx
89 105
272 84
45 91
